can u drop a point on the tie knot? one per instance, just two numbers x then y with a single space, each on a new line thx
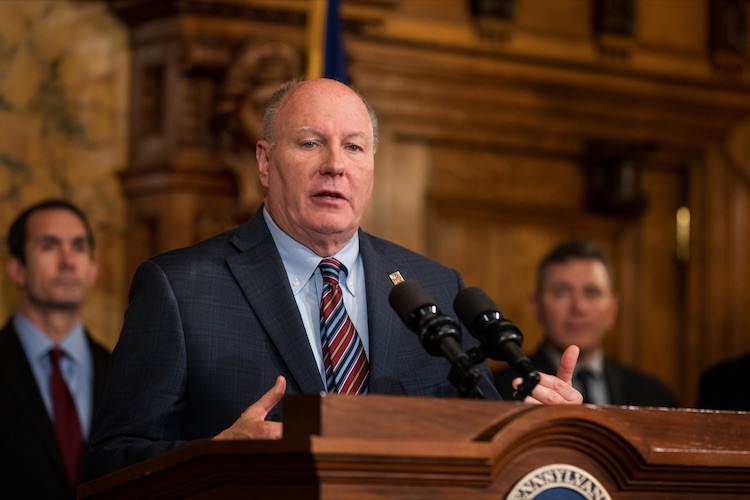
329 268
55 354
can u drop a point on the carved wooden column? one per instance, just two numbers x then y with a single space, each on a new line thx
201 74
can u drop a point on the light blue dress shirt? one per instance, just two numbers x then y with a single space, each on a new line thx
306 282
77 366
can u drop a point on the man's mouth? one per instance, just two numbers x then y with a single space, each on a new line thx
68 281
330 194
577 327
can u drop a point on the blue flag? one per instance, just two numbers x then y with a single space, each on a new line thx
327 57
335 57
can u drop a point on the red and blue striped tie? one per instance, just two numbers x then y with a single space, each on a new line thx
344 359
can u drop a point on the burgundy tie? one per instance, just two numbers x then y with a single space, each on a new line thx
67 425
344 360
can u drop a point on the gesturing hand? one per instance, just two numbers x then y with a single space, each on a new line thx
252 423
559 389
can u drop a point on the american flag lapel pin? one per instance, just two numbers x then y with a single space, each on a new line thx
396 277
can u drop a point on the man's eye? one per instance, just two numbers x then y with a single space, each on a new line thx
354 148
308 145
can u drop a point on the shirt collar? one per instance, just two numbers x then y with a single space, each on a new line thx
301 263
37 345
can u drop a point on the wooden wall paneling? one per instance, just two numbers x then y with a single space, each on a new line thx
736 154
398 210
660 293
717 274
725 326
187 180
739 154
694 359
739 287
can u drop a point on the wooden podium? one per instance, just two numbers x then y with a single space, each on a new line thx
378 447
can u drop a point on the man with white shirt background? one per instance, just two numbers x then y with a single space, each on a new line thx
576 304
51 371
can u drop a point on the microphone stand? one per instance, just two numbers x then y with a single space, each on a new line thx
464 373
504 342
499 338
465 377
493 348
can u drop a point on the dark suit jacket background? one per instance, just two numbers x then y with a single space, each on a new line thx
626 386
724 386
31 465
209 328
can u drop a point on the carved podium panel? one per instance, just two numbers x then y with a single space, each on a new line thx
376 447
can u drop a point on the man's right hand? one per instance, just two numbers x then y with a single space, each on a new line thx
556 390
252 423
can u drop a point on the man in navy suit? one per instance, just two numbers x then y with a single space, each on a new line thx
576 304
216 334
52 263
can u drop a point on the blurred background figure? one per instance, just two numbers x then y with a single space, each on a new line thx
719 383
51 371
575 303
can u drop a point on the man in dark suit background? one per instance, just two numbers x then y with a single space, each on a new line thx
718 385
575 303
216 334
52 262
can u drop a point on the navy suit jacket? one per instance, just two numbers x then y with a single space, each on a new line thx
626 386
31 465
210 327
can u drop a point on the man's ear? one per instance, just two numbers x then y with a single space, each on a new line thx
16 271
261 155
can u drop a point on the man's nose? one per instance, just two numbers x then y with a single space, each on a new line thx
333 162
577 302
67 257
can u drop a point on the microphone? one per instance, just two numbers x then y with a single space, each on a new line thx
500 339
438 334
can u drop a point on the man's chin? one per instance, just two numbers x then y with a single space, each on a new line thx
336 225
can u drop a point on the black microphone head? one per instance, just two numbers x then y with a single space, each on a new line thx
408 297
472 305
500 338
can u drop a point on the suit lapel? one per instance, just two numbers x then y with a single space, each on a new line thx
614 381
385 345
260 273
16 375
101 365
